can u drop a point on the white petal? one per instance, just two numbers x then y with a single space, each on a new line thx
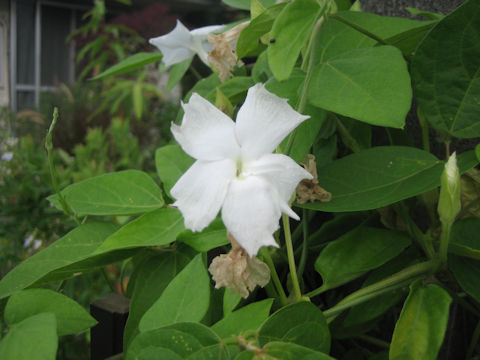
200 42
251 213
176 46
207 30
281 172
206 133
200 192
263 121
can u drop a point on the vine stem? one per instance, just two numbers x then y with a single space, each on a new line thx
291 257
444 241
274 275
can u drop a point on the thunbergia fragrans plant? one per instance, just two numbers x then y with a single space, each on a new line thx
388 216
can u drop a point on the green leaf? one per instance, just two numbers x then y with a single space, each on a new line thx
156 228
446 73
125 192
249 317
377 177
176 73
153 276
356 252
71 317
137 99
33 338
213 236
133 62
291 31
467 274
234 89
230 301
75 247
290 351
370 85
422 323
171 162
186 298
245 4
301 323
248 41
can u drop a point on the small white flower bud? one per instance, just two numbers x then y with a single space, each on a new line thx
449 204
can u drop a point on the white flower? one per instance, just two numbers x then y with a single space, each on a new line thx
7 156
181 44
235 168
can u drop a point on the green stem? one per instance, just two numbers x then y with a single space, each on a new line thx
49 147
425 129
291 258
274 275
347 138
473 342
110 285
444 241
374 341
360 29
303 257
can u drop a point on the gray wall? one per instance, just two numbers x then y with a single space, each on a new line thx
397 7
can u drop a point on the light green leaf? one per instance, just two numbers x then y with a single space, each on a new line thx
446 73
249 317
156 228
377 177
213 236
75 247
301 323
171 162
152 278
230 301
176 73
370 85
126 192
71 317
248 41
186 298
245 4
33 338
291 31
422 323
356 252
234 89
133 62
290 351
137 99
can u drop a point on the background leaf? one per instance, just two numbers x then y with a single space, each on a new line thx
290 351
245 4
186 298
32 338
133 62
446 73
422 323
370 85
121 193
171 162
71 318
176 73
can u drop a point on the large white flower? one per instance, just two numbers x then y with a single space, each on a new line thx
181 44
235 169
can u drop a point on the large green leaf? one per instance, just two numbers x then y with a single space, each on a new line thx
248 42
422 323
301 323
152 278
377 177
213 236
176 73
71 317
291 351
33 338
290 32
467 273
370 85
356 252
121 193
75 247
249 317
464 240
156 228
245 4
131 63
446 73
171 162
186 298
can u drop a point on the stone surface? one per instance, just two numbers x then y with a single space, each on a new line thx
397 7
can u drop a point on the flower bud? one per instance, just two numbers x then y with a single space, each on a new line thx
449 203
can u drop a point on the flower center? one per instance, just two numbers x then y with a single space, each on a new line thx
239 170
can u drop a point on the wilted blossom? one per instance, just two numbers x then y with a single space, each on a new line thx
181 44
235 169
308 190
237 271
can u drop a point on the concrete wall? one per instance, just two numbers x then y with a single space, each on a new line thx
4 52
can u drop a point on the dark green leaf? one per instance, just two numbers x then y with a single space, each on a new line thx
33 338
446 73
176 73
133 62
71 317
186 298
357 252
290 351
467 273
370 85
121 193
213 236
301 323
245 4
171 162
422 323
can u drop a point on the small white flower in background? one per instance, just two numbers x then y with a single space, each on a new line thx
181 44
7 156
235 169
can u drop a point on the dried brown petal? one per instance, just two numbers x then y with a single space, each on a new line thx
309 190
